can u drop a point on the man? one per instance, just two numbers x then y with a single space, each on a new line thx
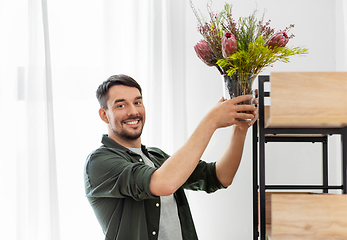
137 192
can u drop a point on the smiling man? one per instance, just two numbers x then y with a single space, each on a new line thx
138 192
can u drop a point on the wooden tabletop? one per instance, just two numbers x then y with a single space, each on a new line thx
307 100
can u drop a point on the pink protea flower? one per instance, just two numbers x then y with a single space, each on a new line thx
279 39
204 53
229 44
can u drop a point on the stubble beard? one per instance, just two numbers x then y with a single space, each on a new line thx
125 134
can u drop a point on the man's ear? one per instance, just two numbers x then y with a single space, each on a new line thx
103 115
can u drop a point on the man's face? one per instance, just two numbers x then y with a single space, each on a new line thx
125 114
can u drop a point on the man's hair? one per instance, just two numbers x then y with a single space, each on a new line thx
120 79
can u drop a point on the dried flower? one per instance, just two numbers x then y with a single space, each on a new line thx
229 44
240 46
265 31
279 39
204 53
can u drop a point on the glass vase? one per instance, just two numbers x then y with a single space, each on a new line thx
238 84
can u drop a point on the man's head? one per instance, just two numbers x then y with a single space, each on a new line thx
121 107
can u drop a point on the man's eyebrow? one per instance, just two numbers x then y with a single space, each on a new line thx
123 100
119 100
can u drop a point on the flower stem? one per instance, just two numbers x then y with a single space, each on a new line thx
219 69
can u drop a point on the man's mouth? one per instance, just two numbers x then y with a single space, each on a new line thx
132 122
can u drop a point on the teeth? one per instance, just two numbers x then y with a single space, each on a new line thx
132 123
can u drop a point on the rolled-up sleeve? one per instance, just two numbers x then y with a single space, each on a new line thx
112 175
204 178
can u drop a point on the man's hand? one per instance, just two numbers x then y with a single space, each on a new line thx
227 112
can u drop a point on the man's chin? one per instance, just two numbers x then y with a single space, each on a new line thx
130 136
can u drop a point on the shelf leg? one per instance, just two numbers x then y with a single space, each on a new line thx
325 165
255 181
344 159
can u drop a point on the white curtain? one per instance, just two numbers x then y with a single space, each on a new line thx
54 54
29 184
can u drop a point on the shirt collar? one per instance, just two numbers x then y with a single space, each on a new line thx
110 143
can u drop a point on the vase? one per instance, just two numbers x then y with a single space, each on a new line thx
238 84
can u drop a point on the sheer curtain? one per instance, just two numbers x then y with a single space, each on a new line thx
29 188
54 54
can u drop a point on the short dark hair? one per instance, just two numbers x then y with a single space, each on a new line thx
120 79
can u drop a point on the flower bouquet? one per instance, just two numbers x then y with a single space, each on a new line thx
241 49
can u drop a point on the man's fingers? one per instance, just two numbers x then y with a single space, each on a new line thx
245 116
241 98
244 107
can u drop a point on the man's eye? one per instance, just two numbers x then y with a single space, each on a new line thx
120 105
138 103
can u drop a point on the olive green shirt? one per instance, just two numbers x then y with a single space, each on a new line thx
117 187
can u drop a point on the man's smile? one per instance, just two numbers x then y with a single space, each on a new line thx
132 122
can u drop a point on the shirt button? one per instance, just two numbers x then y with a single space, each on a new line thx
140 160
153 233
157 204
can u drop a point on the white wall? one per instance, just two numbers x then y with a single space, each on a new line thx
227 214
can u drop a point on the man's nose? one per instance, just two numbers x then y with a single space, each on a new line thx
132 110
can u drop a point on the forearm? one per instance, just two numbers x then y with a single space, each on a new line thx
228 164
177 169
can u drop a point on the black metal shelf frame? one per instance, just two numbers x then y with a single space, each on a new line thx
262 135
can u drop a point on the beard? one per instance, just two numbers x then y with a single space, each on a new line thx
125 134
